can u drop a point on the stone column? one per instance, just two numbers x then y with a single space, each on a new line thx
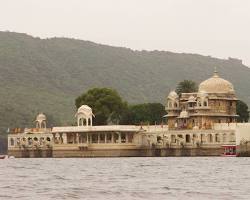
80 138
72 135
112 137
77 138
105 138
57 137
126 137
87 135
60 138
90 138
54 137
64 136
221 138
199 138
119 138
227 137
205 138
98 140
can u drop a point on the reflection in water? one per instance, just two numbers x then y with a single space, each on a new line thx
125 178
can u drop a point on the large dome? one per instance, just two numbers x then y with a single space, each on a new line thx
215 84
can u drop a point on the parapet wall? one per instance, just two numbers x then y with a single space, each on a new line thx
243 139
242 133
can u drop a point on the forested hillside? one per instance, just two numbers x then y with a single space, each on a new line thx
46 75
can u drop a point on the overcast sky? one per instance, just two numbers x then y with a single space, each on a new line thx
220 28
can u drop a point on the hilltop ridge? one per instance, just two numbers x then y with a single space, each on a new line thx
48 74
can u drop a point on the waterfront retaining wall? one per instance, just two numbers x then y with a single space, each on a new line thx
143 152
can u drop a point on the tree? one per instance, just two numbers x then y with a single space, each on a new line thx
106 103
186 86
242 111
147 113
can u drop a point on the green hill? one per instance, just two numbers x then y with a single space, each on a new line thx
46 75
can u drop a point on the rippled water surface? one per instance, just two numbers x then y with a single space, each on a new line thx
126 178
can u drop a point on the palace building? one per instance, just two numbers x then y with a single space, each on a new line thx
198 124
215 102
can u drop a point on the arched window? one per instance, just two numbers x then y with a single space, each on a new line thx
83 121
203 138
30 141
173 139
175 105
170 104
210 138
109 138
188 139
116 138
205 103
217 137
224 137
12 142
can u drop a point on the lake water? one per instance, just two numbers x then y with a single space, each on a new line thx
126 178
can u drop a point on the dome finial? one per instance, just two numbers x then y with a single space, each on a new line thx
215 72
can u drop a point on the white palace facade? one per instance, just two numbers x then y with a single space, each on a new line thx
199 124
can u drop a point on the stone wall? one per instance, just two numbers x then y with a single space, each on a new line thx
242 133
142 152
30 153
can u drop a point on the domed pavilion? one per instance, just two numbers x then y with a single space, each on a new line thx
215 102
41 121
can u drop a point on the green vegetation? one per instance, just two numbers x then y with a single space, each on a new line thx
242 111
109 108
45 75
186 86
147 113
107 105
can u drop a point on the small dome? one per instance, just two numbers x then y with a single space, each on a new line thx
84 108
173 95
41 117
184 114
191 99
215 84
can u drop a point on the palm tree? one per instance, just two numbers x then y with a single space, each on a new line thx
186 86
